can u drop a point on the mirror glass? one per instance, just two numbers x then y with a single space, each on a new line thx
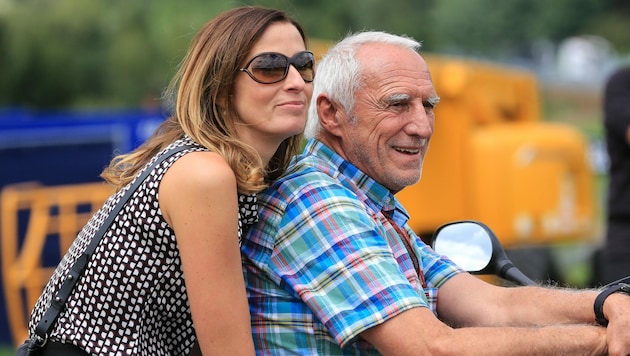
466 243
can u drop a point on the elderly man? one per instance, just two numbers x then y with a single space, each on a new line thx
332 268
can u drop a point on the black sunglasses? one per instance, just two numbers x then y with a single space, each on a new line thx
271 67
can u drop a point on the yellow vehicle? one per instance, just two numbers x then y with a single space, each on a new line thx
493 159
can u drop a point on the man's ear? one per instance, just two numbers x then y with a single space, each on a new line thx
330 115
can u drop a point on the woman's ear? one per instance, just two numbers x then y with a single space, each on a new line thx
222 103
330 115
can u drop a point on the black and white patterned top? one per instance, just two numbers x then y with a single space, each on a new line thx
131 299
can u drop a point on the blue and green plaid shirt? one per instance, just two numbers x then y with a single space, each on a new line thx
323 264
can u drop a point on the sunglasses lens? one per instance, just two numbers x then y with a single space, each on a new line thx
303 62
269 67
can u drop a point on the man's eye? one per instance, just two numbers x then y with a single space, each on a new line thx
398 103
431 103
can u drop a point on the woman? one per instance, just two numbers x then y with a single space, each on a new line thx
171 257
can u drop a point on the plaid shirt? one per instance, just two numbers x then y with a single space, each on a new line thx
323 264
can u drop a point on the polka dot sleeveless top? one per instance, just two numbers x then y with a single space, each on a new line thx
131 299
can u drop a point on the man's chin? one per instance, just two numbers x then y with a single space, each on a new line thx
405 182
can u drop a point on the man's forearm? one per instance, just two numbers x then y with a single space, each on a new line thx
547 306
551 340
416 332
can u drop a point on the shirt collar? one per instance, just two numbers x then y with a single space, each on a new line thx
378 196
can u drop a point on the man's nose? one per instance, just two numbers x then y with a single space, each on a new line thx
421 123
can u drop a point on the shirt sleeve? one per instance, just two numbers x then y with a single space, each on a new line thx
330 253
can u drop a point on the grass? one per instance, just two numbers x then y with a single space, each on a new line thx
582 109
6 350
579 107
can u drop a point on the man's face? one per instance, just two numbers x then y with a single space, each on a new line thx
388 136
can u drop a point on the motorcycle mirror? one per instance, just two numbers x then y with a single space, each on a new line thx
465 243
474 247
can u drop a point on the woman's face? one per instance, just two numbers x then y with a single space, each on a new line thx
270 113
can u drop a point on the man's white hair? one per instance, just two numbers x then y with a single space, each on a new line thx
338 74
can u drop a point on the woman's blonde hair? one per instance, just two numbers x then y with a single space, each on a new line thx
201 92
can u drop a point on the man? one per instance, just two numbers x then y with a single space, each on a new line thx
332 268
616 99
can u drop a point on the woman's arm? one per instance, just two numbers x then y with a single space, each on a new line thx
199 200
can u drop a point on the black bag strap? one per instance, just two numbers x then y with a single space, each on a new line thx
56 306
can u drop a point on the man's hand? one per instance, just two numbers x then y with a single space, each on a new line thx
617 311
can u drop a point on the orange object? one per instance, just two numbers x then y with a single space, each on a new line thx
53 213
492 159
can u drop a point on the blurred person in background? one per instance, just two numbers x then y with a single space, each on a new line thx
616 110
166 278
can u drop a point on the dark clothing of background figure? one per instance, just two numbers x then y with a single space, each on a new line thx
616 103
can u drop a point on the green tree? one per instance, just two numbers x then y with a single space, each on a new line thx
68 53
121 53
490 28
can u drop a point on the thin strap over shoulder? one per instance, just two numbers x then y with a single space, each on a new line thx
50 316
